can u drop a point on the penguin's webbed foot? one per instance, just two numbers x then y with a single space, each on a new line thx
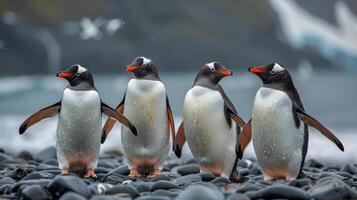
64 171
156 172
134 172
90 174
236 177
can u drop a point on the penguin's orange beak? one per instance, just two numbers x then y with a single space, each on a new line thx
64 74
131 68
225 72
256 70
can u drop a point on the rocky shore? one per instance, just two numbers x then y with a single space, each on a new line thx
27 176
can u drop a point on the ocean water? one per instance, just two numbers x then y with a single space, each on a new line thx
330 97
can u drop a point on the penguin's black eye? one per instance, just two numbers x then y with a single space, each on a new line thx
271 72
143 66
212 69
77 74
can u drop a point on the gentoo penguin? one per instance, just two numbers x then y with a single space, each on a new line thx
145 103
80 122
210 124
279 125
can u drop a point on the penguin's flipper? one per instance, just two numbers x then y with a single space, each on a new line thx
171 122
244 139
179 141
316 124
239 121
44 113
119 117
109 124
231 109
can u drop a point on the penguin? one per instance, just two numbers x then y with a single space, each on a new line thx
210 124
146 104
79 123
279 125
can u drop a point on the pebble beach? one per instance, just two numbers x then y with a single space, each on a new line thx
27 176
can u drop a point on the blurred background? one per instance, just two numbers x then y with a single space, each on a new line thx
315 40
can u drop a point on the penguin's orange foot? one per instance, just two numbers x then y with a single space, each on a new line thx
90 173
64 171
134 172
156 172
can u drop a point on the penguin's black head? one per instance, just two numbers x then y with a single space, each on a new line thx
271 73
143 68
76 74
212 73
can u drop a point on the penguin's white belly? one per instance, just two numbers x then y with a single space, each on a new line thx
276 140
145 107
211 140
79 129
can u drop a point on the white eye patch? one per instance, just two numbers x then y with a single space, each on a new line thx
277 68
145 60
210 65
81 69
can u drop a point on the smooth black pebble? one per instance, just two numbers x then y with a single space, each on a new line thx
188 169
62 184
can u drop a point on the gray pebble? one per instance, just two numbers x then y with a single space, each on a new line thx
349 168
200 192
166 185
188 169
7 180
71 196
191 178
334 189
278 192
164 193
35 192
123 189
237 196
62 184
207 176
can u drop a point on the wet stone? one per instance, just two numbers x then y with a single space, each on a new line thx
5 157
122 170
109 197
164 193
207 176
349 169
17 173
278 192
188 169
6 189
237 196
63 184
35 192
165 185
255 170
200 192
243 172
143 187
300 182
333 189
48 153
123 189
25 155
161 178
313 163
72 196
25 183
248 187
153 198
191 178
7 181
